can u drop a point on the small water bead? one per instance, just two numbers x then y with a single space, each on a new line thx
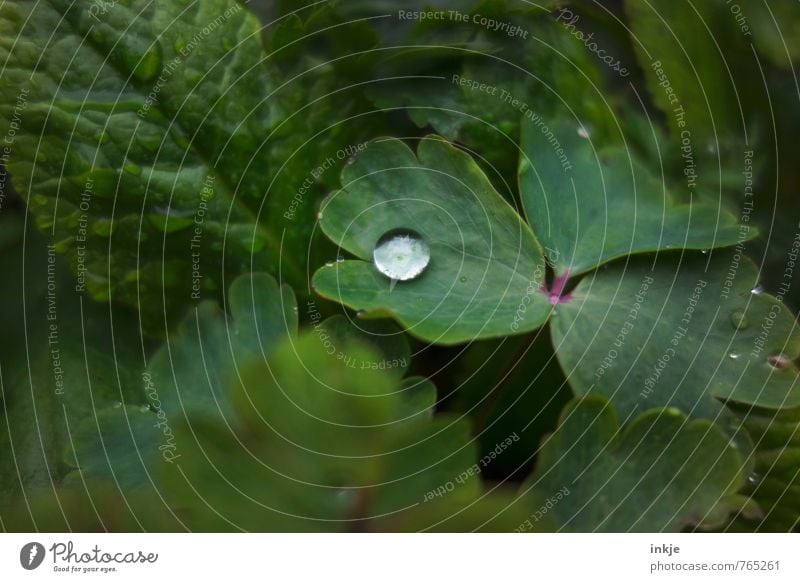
144 408
583 133
757 290
779 361
753 478
734 355
739 319
401 255
463 279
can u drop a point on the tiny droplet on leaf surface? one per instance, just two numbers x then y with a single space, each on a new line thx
401 255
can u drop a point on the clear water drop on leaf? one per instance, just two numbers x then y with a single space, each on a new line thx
739 319
753 478
757 290
779 361
463 279
144 408
734 355
401 255
583 133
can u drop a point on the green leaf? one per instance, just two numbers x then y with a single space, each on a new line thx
189 376
485 267
661 472
144 136
320 446
479 97
775 482
510 387
590 204
61 358
776 31
686 51
683 332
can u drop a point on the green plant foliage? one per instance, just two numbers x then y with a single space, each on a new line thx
61 358
589 204
485 259
351 266
673 472
775 480
686 332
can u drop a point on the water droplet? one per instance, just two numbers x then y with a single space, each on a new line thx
401 255
117 404
734 355
524 165
739 319
705 251
463 279
351 160
340 259
583 133
144 408
330 264
757 290
779 361
319 216
753 478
